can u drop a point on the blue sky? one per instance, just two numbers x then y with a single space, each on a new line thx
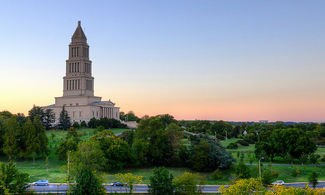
230 60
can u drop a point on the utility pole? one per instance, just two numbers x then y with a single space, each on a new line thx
259 166
68 166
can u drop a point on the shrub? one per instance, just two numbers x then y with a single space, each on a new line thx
242 171
243 142
83 124
100 128
323 159
295 172
269 176
187 183
76 125
217 174
232 146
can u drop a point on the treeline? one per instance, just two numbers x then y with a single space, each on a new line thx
221 129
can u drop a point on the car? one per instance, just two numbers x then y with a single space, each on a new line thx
117 184
41 183
278 182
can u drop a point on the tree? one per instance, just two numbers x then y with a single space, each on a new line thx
10 146
88 155
161 182
36 111
282 142
64 120
117 152
187 183
242 170
41 136
87 183
12 179
313 179
152 131
66 145
269 176
31 140
206 154
129 179
244 186
48 118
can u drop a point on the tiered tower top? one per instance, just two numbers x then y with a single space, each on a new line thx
78 80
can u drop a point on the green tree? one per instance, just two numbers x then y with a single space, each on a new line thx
161 182
12 179
117 152
48 118
269 176
187 183
64 120
88 155
32 142
10 146
206 154
66 145
313 179
242 170
41 136
36 111
87 183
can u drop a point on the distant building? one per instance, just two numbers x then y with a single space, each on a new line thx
78 86
264 121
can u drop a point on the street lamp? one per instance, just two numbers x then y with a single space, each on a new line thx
259 165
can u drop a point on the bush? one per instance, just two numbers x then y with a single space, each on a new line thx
217 174
295 172
250 141
323 159
242 171
243 142
232 146
83 124
100 128
269 176
76 125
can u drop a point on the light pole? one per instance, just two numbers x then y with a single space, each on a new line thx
259 165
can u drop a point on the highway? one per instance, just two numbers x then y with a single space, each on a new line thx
63 188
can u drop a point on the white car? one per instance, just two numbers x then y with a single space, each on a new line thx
278 182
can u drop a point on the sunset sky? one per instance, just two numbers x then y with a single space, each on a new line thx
204 59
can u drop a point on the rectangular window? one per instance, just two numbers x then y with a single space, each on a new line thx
77 51
78 67
80 114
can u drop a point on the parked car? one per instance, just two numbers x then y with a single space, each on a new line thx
278 182
41 183
117 184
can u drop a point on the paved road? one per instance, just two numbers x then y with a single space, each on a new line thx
63 188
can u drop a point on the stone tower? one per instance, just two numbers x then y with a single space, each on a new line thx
78 86
78 80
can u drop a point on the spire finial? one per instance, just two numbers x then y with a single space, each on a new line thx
79 22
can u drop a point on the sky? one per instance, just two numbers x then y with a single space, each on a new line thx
204 59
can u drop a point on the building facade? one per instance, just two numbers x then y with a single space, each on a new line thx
78 86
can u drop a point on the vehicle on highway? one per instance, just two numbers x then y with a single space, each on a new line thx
41 183
278 182
118 184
